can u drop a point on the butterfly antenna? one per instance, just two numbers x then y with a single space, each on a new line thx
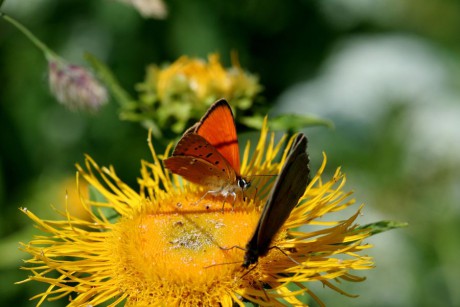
264 175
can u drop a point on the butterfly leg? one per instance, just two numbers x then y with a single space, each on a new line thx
205 194
223 204
234 200
255 194
202 197
284 253
244 196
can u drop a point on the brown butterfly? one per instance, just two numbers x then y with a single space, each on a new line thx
284 196
208 153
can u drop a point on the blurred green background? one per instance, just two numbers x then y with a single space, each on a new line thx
386 72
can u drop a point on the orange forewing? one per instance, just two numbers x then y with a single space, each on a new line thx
218 127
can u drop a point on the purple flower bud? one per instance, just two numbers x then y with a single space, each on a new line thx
149 8
75 87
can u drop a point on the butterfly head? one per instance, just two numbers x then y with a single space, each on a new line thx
243 183
250 257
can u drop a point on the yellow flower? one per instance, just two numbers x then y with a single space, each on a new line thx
184 90
206 82
163 249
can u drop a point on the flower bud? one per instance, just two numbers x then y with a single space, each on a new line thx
75 87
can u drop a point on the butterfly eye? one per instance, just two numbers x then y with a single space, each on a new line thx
248 184
243 184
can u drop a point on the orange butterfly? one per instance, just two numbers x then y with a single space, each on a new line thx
208 153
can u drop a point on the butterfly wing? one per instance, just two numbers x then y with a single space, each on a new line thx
218 127
199 162
197 170
284 196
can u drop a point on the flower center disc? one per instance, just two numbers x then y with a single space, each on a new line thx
186 244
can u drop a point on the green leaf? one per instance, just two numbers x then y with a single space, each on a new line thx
95 195
287 122
152 126
106 75
11 254
378 227
373 229
108 212
295 122
252 121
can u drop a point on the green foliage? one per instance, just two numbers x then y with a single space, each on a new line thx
287 122
382 226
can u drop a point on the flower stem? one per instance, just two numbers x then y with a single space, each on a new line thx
49 54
